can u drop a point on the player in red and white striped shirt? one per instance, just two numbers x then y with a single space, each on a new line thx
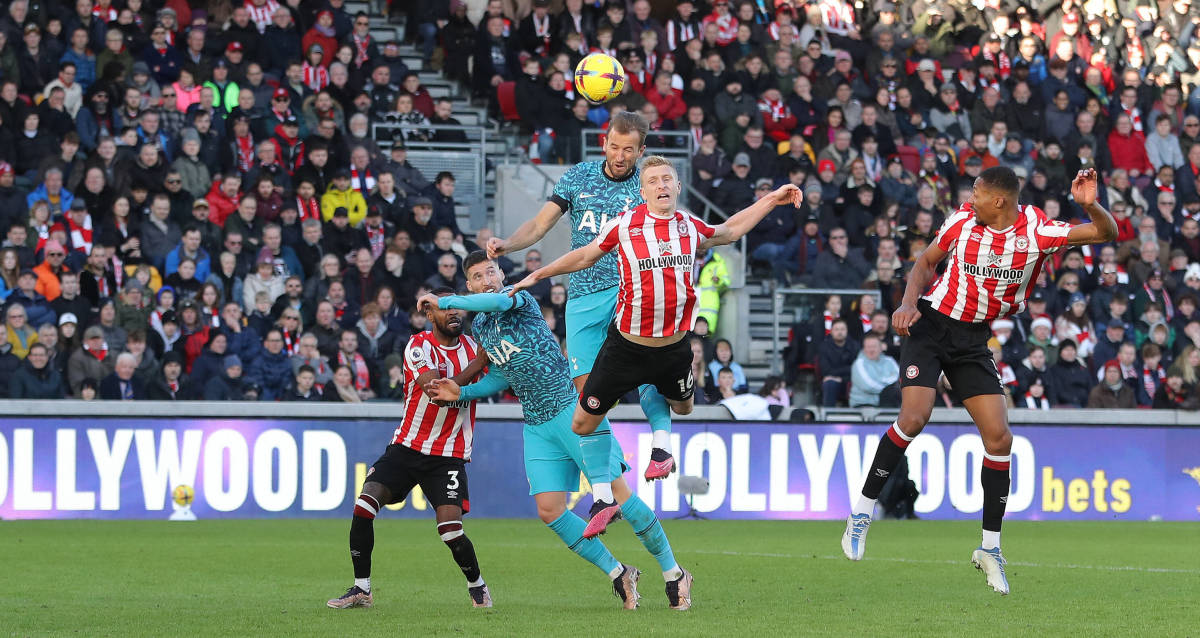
430 448
656 246
995 249
261 12
432 429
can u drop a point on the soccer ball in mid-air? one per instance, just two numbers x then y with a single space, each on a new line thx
599 78
183 495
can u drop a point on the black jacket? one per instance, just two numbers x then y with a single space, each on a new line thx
110 388
30 383
1072 383
158 390
834 360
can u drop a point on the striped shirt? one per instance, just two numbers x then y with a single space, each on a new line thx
991 272
428 428
655 259
261 15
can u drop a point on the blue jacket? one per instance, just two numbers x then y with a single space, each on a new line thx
869 378
163 67
37 309
40 194
272 372
246 344
739 376
85 67
162 141
203 263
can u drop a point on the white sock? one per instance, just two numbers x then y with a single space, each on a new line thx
603 492
675 573
864 506
661 439
363 584
476 583
991 540
616 571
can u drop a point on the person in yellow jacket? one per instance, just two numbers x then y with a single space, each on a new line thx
340 194
714 281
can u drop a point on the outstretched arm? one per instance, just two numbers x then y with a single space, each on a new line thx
741 222
446 390
528 233
574 261
1103 228
482 302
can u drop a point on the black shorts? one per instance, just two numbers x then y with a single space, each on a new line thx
623 365
443 479
937 344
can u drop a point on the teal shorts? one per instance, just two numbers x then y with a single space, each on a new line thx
553 460
588 318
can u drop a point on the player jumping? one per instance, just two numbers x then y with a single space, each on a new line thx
656 246
430 449
526 356
996 249
593 193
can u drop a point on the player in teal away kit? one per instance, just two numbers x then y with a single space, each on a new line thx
525 355
593 193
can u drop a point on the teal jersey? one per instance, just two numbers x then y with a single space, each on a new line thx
591 198
520 345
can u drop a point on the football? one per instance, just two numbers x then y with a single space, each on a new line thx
183 495
599 78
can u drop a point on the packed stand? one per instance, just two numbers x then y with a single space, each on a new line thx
193 205
884 113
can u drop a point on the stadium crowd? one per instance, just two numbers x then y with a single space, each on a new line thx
884 113
193 204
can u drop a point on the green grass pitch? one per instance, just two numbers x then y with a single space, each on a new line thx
261 578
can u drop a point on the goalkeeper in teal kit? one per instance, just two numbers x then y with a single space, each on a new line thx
593 193
525 356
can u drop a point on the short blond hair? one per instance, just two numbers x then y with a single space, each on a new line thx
658 160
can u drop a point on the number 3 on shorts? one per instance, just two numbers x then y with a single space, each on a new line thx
453 484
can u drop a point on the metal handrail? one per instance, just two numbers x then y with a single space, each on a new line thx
780 293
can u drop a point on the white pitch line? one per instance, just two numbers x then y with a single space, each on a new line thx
918 561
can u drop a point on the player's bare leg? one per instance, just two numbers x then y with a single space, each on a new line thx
991 417
450 529
658 413
649 531
362 541
916 404
552 509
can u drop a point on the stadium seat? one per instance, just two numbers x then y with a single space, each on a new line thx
506 95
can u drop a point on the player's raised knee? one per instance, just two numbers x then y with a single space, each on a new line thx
998 443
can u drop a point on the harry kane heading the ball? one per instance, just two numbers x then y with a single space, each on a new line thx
655 244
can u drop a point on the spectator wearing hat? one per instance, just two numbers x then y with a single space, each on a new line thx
262 279
193 172
91 361
1112 392
170 383
341 194
132 311
1072 383
162 59
38 63
50 270
736 191
323 35
225 91
227 386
